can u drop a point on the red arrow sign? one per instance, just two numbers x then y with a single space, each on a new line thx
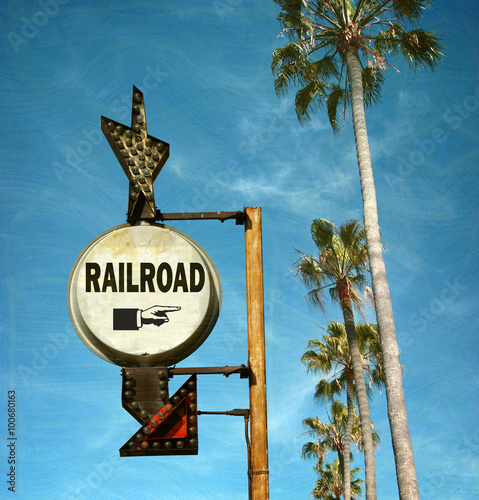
172 431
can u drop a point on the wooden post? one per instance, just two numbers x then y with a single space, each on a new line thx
256 355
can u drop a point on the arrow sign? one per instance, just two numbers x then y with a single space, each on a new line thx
141 156
172 431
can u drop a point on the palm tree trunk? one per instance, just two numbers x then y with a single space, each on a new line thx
347 438
401 440
366 428
341 464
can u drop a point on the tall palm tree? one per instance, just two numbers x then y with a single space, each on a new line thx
330 437
341 266
329 486
331 356
338 53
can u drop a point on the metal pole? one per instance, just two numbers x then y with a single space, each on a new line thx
256 354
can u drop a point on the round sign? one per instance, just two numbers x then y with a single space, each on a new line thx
143 295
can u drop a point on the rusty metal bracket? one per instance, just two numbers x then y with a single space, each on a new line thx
237 412
239 216
243 370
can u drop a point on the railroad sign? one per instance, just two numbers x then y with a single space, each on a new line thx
144 295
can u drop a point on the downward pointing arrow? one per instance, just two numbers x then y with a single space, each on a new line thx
172 431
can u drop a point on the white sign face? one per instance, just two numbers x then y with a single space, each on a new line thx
144 295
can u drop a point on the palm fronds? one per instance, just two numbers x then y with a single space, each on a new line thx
322 31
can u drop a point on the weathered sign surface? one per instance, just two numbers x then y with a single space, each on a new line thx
144 295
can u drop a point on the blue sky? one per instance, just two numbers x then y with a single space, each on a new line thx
204 68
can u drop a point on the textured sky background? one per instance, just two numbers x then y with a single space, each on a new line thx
204 68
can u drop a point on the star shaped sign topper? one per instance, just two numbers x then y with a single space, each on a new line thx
141 156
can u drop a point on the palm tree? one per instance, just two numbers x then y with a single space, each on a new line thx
329 486
337 55
332 355
341 266
330 437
